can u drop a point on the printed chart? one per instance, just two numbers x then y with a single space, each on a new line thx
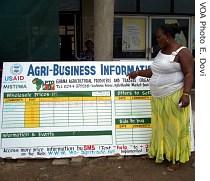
57 109
132 117
60 109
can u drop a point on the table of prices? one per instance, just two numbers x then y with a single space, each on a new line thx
57 109
133 116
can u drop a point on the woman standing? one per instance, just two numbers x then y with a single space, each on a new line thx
171 81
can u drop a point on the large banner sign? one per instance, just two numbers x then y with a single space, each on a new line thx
69 109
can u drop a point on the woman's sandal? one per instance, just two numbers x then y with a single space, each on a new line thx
173 167
145 157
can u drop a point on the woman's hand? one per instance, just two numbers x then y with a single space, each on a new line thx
184 100
132 75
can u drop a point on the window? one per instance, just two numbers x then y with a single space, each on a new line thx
186 6
151 6
134 36
69 5
182 38
125 6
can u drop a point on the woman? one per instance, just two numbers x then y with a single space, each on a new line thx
171 81
89 52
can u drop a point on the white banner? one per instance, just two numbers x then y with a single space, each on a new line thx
69 109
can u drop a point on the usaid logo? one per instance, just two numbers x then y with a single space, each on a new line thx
16 69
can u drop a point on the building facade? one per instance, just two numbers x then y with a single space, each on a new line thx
40 30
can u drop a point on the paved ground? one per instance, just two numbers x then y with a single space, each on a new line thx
132 168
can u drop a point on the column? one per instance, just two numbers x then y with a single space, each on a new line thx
104 109
122 106
140 107
13 113
46 112
90 114
75 111
32 112
103 29
61 112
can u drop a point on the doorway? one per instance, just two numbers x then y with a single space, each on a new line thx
69 30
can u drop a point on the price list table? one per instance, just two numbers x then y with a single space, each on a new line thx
133 116
57 109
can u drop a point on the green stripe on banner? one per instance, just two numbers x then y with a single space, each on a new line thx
133 93
133 121
48 94
55 134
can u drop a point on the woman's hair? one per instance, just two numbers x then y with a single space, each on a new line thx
171 29
88 42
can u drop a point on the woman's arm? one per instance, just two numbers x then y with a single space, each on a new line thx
143 73
186 61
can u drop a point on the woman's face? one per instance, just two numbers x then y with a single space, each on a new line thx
161 38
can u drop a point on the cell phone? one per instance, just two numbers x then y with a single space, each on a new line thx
180 104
